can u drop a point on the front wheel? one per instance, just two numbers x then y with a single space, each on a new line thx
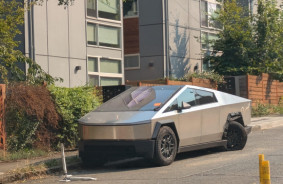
236 136
165 146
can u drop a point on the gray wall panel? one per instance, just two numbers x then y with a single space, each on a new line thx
151 40
42 61
179 41
57 29
40 29
195 49
59 67
150 12
77 78
179 12
77 30
194 14
146 72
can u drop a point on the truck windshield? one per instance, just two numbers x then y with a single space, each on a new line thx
140 99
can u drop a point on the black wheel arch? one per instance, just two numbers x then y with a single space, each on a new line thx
170 124
234 116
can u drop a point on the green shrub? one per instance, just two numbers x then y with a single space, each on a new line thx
214 77
72 104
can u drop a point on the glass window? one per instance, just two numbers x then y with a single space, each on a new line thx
204 97
110 66
107 81
91 8
92 65
109 9
130 8
207 40
188 96
93 80
109 36
132 61
140 99
208 12
91 34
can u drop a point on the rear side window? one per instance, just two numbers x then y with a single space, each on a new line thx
204 97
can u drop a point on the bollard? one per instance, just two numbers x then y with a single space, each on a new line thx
266 172
261 159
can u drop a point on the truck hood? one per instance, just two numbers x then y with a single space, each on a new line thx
117 118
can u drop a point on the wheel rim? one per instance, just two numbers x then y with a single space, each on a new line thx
234 138
167 146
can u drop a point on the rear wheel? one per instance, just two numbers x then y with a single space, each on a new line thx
165 146
236 136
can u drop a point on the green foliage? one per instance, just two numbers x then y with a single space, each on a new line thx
22 154
249 44
266 109
72 104
213 76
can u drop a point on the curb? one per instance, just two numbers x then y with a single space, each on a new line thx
12 177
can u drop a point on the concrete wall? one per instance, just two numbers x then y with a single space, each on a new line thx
59 41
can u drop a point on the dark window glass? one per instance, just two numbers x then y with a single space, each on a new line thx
204 97
109 9
91 8
130 8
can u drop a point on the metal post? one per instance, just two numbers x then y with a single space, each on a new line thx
265 172
261 159
67 177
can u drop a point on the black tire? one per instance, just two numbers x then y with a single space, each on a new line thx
165 146
236 136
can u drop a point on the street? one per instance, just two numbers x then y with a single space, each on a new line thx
200 167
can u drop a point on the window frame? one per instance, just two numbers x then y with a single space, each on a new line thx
103 74
133 68
207 34
207 11
103 19
97 35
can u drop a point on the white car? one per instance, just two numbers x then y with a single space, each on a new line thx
160 121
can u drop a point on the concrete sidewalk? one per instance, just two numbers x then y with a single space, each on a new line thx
7 169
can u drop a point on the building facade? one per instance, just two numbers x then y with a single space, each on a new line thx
81 43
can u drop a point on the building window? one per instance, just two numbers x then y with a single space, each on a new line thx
92 64
110 66
91 8
91 34
109 36
208 12
130 8
132 61
109 9
106 35
109 81
93 80
207 40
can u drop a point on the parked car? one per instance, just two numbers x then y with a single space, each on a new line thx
160 121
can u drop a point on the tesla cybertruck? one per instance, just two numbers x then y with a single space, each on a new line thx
160 121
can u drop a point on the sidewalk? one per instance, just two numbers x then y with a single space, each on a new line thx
7 169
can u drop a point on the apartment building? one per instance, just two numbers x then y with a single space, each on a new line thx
167 38
81 43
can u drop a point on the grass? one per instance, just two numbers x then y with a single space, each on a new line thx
22 154
266 109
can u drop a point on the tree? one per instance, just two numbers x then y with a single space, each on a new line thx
11 18
248 43
231 50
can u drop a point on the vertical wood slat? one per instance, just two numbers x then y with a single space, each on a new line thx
2 111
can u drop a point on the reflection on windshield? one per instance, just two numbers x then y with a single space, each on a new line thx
139 95
139 99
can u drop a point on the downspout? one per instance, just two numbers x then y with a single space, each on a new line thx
166 39
31 30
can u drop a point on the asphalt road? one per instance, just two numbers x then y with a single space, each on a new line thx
200 167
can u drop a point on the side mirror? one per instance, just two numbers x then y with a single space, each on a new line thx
184 106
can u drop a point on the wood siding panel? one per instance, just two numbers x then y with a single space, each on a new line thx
131 36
